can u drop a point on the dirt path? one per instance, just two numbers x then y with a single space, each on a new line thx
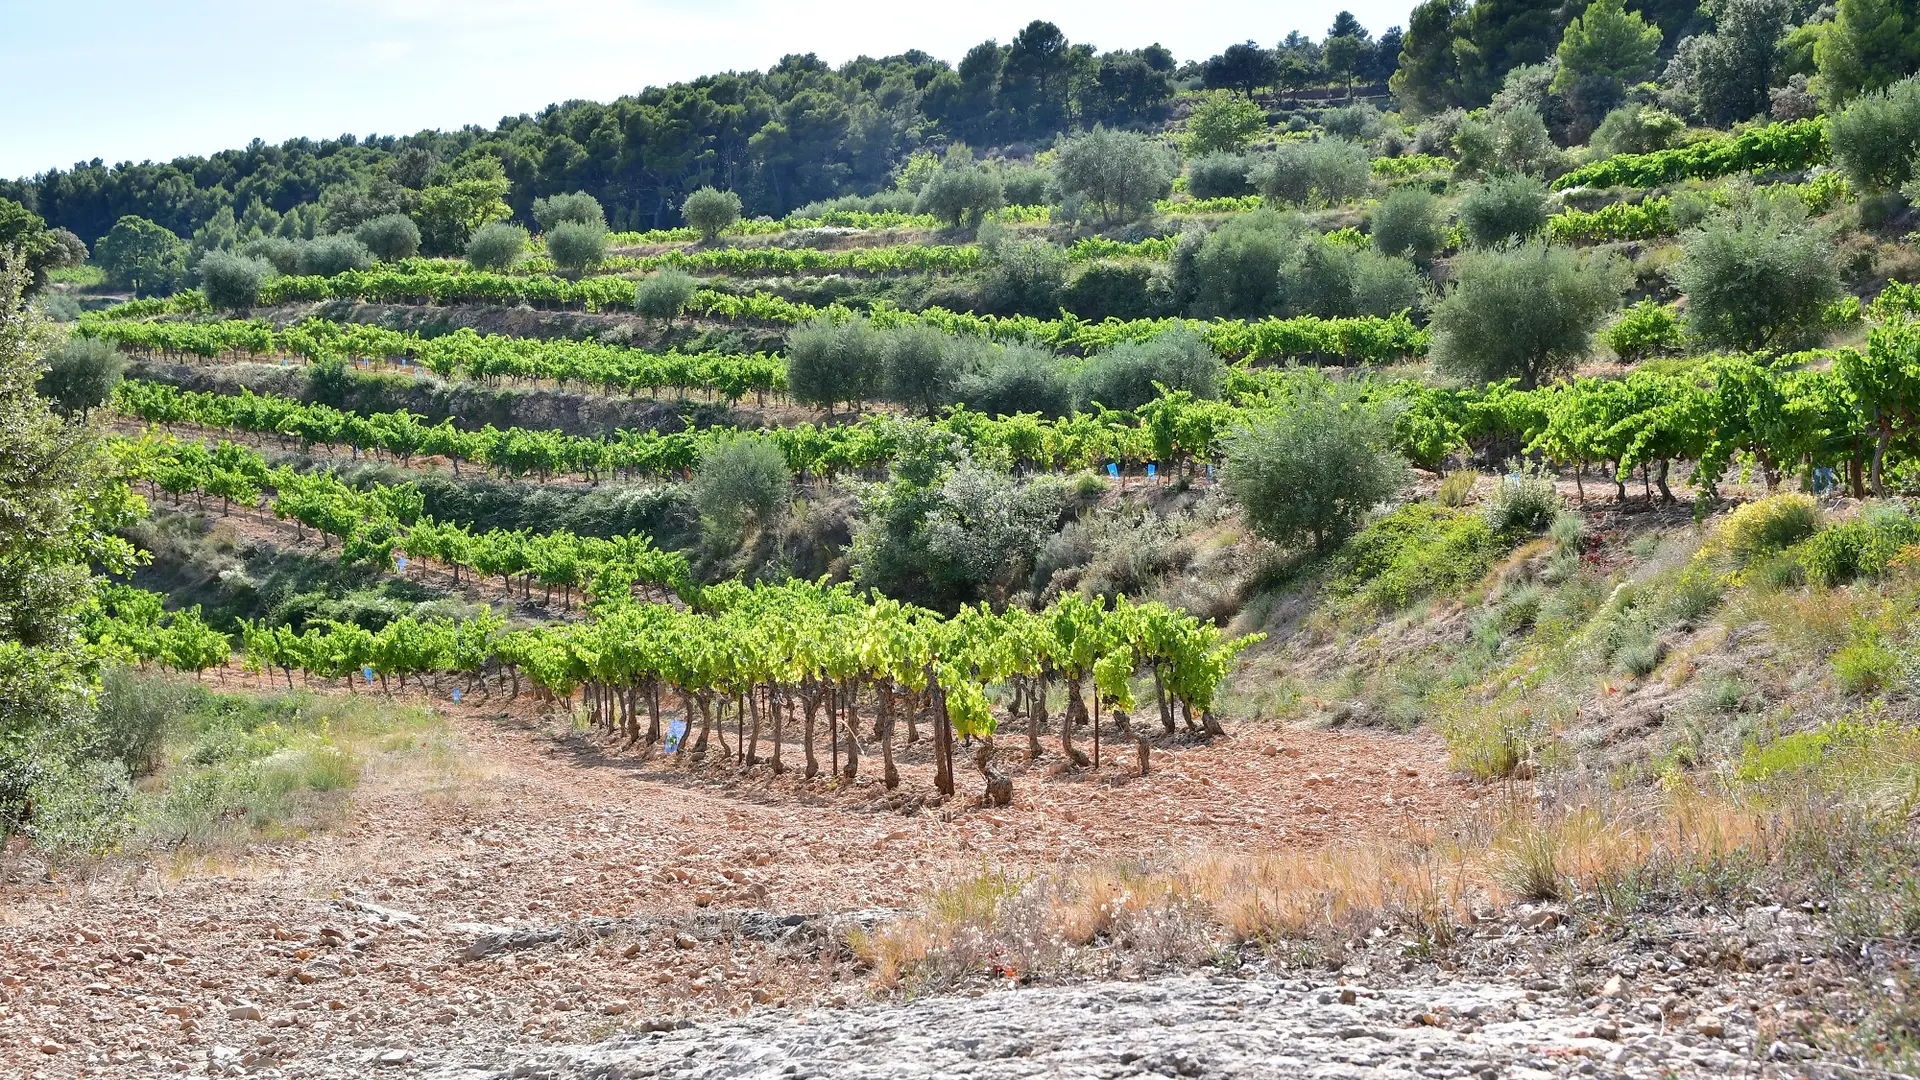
309 956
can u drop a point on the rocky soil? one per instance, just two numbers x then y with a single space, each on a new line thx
310 957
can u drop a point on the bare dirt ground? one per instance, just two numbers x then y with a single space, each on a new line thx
342 952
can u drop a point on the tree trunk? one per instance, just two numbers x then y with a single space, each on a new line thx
704 700
810 705
852 710
999 784
942 744
1160 699
1146 752
885 726
1076 712
779 726
1036 715
753 742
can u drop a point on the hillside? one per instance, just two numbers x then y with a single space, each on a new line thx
1159 569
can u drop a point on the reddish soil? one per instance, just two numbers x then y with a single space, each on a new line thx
159 965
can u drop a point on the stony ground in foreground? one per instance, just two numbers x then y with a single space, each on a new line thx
311 957
1180 1026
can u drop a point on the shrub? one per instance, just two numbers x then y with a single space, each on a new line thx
961 193
1456 488
1123 377
1766 526
711 211
1504 209
920 367
1409 222
1863 547
1321 283
1121 172
1636 129
829 363
1116 288
1219 175
1757 275
1876 138
1522 499
81 374
1312 468
497 245
135 714
1025 278
1384 285
232 282
1528 313
1358 123
575 246
1003 381
579 207
1223 122
1644 329
663 294
741 479
1236 270
325 256
1329 172
1025 185
281 253
1866 664
1418 550
391 237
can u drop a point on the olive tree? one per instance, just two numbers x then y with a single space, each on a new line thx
1409 221
1526 313
711 211
960 193
80 375
920 366
1507 207
325 256
391 237
1125 375
830 363
1757 274
497 245
575 246
578 207
1121 172
232 282
741 479
663 294
1308 472
1329 171
1876 138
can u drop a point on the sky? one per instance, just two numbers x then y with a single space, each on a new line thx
131 80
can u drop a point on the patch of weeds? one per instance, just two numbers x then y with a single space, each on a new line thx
1421 549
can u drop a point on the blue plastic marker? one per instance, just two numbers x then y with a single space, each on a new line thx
1113 470
456 695
1150 470
368 672
400 562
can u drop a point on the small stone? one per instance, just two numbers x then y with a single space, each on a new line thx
1347 996
615 1008
1709 1025
244 1012
99 988
631 951
177 1011
1606 1029
1543 920
50 1047
1614 988
685 941
394 1057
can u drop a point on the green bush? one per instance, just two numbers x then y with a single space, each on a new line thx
1124 376
1863 547
663 294
1118 289
1025 278
961 193
232 282
1409 222
579 208
1312 468
1419 550
497 246
711 211
920 367
575 246
1528 313
1876 138
1866 664
80 375
831 363
135 714
1219 175
1644 329
1121 172
1385 285
326 256
1005 380
1325 172
1237 270
1757 275
1522 499
1504 209
280 252
741 479
391 237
